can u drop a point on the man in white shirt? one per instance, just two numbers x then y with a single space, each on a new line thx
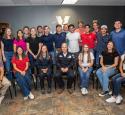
73 39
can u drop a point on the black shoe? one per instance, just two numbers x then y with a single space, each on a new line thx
43 91
104 94
49 90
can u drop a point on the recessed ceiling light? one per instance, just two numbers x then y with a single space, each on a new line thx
69 1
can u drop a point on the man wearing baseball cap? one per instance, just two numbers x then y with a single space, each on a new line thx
102 39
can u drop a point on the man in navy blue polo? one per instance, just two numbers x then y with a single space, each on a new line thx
59 38
118 37
48 40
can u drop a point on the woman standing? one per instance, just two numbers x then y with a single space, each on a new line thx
86 59
33 47
7 51
21 65
108 61
20 41
44 62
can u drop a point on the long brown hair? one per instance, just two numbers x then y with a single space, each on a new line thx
23 53
82 54
113 50
41 53
17 34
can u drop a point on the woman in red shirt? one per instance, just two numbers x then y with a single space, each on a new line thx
21 65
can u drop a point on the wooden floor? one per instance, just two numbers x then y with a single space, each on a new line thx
61 104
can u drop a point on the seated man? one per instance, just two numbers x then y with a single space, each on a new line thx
4 83
65 62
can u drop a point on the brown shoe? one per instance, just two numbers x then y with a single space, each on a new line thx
60 91
70 91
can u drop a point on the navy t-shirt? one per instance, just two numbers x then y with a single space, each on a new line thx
48 41
8 44
59 39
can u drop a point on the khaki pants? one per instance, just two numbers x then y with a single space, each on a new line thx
6 83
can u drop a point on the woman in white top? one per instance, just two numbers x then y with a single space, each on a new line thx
86 59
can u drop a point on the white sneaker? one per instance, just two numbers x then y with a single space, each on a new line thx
111 100
25 98
31 96
1 99
119 99
110 92
83 91
86 91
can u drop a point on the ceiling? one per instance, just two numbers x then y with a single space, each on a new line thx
58 2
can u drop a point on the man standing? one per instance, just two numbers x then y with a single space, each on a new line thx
59 38
73 40
88 38
48 39
118 37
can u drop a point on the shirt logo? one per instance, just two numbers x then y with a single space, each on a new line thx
69 57
60 56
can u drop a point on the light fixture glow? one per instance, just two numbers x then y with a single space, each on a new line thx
69 1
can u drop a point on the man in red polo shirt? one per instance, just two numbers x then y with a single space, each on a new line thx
88 38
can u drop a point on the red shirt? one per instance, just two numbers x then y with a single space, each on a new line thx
20 64
88 39
80 31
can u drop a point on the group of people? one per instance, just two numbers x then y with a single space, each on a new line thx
35 51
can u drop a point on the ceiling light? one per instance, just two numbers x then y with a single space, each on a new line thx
69 1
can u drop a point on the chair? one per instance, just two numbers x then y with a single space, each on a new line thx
10 92
65 78
13 85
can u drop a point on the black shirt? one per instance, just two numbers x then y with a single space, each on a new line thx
44 62
108 58
33 44
8 44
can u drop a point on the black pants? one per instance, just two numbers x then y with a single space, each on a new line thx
59 78
43 76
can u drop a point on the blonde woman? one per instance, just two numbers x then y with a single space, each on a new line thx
7 51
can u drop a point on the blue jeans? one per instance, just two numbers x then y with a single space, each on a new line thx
84 77
117 80
24 82
104 77
97 59
8 65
